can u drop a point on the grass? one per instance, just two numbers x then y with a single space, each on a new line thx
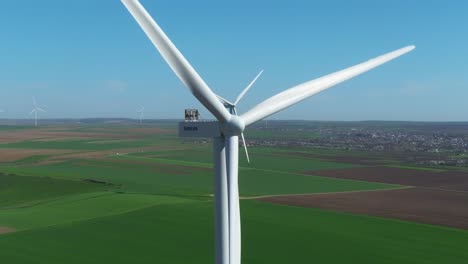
159 209
22 191
79 207
274 134
464 156
182 233
416 168
32 159
90 145
170 127
162 176
9 128
316 151
310 235
260 159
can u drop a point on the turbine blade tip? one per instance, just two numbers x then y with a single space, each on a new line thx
409 48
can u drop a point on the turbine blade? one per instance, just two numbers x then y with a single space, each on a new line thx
245 147
177 61
300 92
247 88
243 138
40 109
32 112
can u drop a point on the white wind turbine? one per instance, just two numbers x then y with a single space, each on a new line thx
226 144
141 112
35 110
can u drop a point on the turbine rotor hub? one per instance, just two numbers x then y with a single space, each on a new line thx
234 126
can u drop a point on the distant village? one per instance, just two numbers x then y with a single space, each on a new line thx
424 143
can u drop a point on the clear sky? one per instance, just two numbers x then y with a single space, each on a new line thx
89 58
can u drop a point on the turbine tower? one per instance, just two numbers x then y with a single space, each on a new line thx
35 110
230 125
141 112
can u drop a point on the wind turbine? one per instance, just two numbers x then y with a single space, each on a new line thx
35 110
141 111
226 144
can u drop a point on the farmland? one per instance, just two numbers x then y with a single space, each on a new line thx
128 193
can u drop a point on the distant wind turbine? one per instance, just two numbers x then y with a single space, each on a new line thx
35 110
141 111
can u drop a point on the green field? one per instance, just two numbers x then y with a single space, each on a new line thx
82 207
95 144
20 191
156 206
181 231
180 175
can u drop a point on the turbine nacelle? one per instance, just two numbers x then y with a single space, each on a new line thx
230 106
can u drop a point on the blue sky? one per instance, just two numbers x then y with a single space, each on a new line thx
89 58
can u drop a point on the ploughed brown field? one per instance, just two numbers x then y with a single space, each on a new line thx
433 197
450 180
55 134
98 136
11 155
102 154
428 206
365 158
43 135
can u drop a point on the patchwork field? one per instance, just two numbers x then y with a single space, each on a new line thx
420 177
435 207
436 196
116 193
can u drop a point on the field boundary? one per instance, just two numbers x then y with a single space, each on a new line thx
6 230
205 165
100 216
323 193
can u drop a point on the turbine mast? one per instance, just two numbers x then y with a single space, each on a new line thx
221 201
232 160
